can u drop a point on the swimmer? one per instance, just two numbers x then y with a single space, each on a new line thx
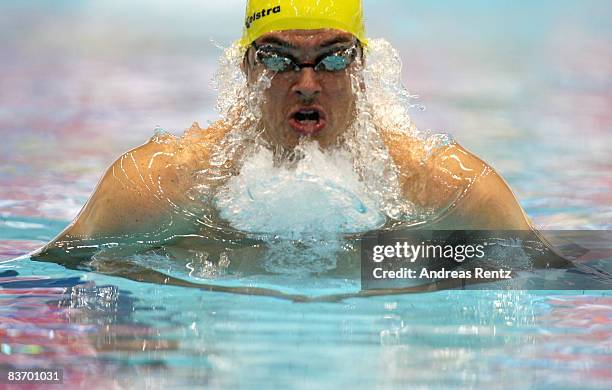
308 77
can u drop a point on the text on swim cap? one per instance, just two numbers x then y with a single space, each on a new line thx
261 14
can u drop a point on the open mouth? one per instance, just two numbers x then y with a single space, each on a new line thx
307 120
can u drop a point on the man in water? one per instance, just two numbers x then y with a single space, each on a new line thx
306 82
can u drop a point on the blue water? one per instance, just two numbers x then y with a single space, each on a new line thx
525 86
139 334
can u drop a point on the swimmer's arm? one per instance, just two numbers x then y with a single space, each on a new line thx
489 204
465 192
486 201
132 208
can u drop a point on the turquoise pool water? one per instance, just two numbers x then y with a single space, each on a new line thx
526 87
111 331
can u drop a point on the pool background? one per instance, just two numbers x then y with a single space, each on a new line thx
526 86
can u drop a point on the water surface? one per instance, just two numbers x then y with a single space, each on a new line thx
525 86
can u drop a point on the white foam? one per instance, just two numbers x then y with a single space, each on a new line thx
302 210
319 195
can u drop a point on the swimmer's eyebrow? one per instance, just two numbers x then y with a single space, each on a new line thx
335 41
271 40
275 41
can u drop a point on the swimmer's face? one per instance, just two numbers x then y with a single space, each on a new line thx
313 99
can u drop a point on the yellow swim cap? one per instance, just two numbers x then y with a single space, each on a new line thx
264 16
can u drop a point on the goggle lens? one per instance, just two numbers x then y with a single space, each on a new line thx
279 63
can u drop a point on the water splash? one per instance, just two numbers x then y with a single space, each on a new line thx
295 199
315 197
298 209
382 104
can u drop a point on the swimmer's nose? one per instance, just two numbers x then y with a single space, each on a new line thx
307 86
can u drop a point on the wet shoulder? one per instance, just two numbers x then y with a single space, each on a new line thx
483 199
433 176
458 187
453 173
197 144
165 164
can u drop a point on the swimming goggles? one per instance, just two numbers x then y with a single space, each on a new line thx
279 62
